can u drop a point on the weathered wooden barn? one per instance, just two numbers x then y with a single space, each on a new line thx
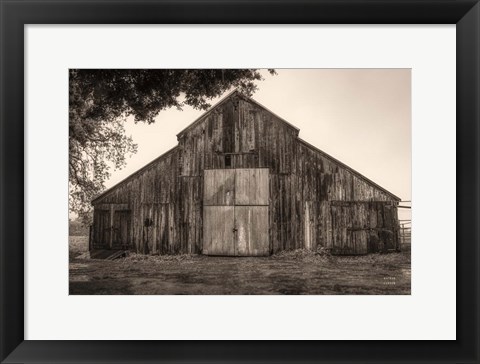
241 182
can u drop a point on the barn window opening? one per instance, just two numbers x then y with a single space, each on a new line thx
228 161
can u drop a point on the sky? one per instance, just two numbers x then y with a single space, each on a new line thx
361 117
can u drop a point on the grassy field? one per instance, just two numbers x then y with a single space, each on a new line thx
77 245
297 272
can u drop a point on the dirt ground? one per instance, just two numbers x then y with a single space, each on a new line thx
297 272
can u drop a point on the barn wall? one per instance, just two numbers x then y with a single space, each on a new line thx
304 185
250 137
334 213
151 193
170 191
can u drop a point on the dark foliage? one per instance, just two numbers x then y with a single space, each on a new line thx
101 100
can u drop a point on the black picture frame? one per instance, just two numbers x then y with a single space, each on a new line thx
15 14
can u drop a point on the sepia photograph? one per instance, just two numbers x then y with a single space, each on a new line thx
240 181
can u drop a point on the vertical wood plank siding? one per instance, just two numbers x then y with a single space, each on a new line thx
305 185
324 182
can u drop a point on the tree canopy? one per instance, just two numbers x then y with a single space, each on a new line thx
100 101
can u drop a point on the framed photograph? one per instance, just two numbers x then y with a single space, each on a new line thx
240 182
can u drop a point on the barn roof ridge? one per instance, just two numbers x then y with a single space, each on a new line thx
248 98
213 107
141 169
251 99
224 99
343 165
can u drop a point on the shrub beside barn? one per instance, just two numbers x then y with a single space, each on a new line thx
241 182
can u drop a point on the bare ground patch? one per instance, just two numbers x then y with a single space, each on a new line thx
297 272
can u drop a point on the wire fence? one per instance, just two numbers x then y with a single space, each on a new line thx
405 234
405 225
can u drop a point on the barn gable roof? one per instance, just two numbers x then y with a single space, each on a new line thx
231 95
136 173
350 169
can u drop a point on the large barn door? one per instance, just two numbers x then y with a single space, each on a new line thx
218 212
218 237
251 212
251 230
235 212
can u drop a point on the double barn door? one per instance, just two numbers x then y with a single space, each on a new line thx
235 212
112 229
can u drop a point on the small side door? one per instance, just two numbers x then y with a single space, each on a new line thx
349 231
101 229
